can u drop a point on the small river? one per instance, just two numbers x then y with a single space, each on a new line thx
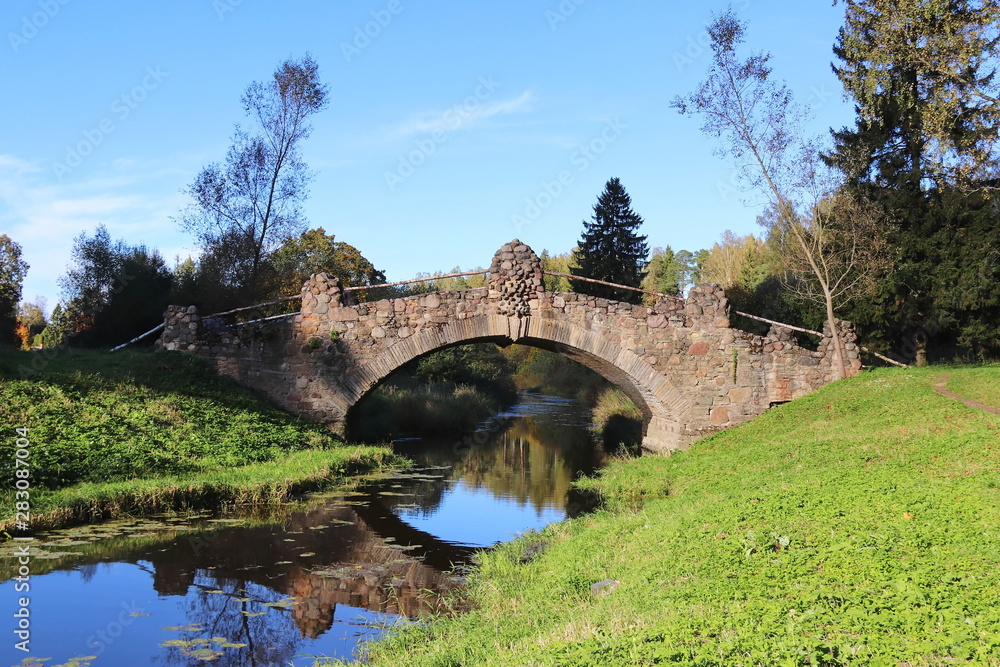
280 586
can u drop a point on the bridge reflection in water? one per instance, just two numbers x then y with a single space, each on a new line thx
318 581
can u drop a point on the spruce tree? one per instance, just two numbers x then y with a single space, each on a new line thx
610 249
923 76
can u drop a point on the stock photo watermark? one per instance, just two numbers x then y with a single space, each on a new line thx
22 518
32 24
223 7
562 13
106 636
581 159
121 108
364 35
698 45
454 118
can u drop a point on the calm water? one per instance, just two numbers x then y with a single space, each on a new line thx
280 586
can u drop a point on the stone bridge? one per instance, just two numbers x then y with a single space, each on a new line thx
680 361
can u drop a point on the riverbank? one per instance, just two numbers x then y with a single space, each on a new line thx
109 435
856 525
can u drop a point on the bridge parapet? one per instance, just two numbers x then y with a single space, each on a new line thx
682 363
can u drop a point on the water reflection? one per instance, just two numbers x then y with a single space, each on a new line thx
265 589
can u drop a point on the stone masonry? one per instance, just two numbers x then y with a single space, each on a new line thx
687 370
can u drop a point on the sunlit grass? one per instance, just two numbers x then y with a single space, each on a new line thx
975 384
857 525
135 432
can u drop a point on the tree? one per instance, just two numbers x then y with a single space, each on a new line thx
12 272
558 264
31 316
761 126
922 74
315 251
245 207
609 249
60 328
113 291
668 272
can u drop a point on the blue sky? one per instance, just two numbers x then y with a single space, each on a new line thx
452 127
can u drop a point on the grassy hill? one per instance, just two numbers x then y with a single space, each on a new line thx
857 525
130 432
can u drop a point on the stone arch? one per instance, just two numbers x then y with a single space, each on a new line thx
663 406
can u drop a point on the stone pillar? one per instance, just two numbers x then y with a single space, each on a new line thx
852 354
707 303
516 279
181 325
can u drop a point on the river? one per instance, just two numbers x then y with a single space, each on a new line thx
280 586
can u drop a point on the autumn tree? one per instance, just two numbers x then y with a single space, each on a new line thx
610 248
31 316
246 206
12 272
315 251
760 126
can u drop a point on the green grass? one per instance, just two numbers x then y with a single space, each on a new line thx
617 421
99 417
975 384
134 432
258 483
858 525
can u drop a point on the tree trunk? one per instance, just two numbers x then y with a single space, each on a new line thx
840 371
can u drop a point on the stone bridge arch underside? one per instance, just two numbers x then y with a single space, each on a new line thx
686 369
663 407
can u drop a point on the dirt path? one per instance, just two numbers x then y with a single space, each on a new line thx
940 386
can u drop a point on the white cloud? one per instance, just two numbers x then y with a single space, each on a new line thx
471 111
132 199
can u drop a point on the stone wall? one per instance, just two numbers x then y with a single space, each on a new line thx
689 372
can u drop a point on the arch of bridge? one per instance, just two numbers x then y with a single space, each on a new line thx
682 364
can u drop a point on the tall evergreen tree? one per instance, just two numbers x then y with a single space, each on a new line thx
610 249
922 74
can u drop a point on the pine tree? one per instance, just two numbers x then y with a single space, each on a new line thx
610 249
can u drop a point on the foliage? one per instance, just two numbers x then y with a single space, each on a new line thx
32 315
245 207
830 256
551 373
610 249
400 408
113 291
315 251
446 392
668 272
564 263
187 288
59 329
439 284
922 74
856 525
744 261
618 422
479 365
12 272
99 417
